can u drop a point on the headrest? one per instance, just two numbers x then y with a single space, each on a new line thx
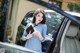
72 31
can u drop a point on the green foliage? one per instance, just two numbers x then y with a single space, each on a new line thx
74 6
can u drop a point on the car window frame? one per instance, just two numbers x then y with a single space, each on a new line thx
55 46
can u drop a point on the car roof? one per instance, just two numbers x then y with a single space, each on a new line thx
72 13
49 11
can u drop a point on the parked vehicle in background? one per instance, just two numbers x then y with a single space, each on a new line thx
53 21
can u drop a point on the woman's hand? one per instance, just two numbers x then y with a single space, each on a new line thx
28 36
38 34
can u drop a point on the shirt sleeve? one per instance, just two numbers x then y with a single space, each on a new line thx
44 31
25 33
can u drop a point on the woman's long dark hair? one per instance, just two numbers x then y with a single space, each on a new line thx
39 11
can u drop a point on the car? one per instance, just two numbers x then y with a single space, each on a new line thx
68 36
54 23
64 39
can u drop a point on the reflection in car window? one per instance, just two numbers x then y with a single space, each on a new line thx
53 21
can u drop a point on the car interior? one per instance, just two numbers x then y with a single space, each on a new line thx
70 42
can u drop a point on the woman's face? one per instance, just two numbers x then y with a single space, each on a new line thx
39 18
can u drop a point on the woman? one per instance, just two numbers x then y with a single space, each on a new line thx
33 41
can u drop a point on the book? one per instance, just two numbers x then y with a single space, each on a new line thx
30 28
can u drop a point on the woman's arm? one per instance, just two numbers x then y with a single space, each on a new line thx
40 37
44 31
43 35
26 36
38 34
